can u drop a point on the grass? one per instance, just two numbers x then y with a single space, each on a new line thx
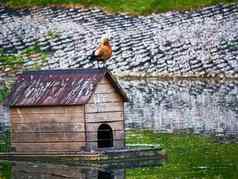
190 156
129 6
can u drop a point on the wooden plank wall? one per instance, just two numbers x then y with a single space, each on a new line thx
105 106
44 129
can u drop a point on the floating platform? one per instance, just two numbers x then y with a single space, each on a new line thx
112 158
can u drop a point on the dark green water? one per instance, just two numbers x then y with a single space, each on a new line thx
27 170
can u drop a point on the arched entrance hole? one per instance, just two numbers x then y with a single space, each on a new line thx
105 136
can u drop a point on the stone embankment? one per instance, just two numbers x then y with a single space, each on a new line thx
205 107
186 44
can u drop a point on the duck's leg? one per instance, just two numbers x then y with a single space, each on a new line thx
103 64
98 64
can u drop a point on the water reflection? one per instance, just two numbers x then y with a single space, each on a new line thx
36 170
27 170
182 105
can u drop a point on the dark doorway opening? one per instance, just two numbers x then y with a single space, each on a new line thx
105 136
105 175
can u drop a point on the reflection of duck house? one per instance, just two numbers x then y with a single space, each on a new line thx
27 170
67 111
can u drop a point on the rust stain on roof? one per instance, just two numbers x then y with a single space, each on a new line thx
58 87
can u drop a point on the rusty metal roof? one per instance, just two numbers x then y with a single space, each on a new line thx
58 87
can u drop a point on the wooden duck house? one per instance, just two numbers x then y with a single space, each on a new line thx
66 111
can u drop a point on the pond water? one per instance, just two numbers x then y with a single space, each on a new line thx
37 170
181 105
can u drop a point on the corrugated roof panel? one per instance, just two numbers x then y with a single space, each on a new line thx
58 87
55 87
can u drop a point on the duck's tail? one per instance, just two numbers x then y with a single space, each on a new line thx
92 57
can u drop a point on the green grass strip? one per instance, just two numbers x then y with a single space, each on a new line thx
136 7
189 156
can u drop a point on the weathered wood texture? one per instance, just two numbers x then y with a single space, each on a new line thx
45 129
105 107
45 147
104 117
47 114
48 128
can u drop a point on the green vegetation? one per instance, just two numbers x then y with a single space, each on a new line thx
3 92
31 58
8 62
34 57
5 141
52 34
5 170
129 6
190 156
15 62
